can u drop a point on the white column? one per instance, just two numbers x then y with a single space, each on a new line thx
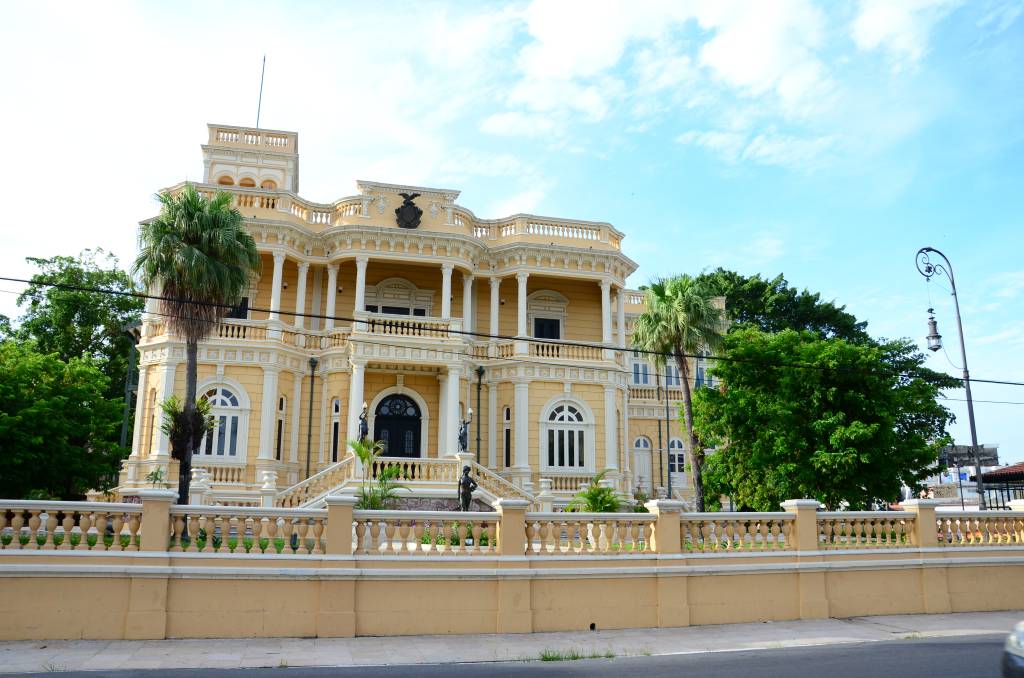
300 295
467 304
142 395
521 414
275 290
492 426
606 312
627 441
360 305
521 302
296 405
611 431
442 420
620 317
446 291
451 411
332 295
166 391
355 399
495 305
268 413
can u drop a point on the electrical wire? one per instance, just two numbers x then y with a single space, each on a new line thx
484 335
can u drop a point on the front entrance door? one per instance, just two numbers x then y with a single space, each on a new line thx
396 424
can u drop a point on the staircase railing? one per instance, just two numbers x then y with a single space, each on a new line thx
315 485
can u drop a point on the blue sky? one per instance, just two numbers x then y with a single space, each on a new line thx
826 141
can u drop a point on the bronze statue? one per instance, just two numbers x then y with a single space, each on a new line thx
364 428
466 487
464 432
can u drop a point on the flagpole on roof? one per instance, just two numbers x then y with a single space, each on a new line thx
259 103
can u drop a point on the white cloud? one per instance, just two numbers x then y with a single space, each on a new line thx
764 148
901 29
1008 285
764 47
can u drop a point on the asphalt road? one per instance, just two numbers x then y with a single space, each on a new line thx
976 656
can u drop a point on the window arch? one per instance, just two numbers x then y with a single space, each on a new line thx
282 405
567 439
226 440
268 184
247 182
335 428
676 456
225 180
642 443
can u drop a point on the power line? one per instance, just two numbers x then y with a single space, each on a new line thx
484 335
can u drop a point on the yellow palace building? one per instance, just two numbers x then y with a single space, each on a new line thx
401 299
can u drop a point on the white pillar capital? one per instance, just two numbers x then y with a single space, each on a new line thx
447 268
495 282
361 261
606 285
522 276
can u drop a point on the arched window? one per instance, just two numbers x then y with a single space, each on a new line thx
226 180
701 377
545 315
268 184
335 428
279 440
565 433
642 443
508 437
676 456
223 442
247 182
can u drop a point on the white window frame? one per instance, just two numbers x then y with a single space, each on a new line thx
641 368
399 292
221 415
548 305
678 450
587 427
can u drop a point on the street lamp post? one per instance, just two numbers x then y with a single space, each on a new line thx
929 269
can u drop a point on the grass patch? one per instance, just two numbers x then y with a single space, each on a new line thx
573 655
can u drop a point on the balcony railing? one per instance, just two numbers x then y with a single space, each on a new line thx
412 327
653 393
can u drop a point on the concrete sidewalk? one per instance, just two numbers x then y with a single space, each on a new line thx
76 655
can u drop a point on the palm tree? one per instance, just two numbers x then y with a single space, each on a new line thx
681 320
199 256
595 498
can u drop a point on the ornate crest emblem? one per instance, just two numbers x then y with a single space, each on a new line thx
408 214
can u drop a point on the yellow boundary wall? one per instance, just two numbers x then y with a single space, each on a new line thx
156 593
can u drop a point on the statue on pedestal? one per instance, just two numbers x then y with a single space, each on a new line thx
464 432
466 487
364 428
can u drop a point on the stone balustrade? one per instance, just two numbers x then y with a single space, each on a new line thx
865 529
980 529
355 210
654 393
413 533
66 526
570 482
413 327
223 529
565 351
711 532
99 526
233 475
552 534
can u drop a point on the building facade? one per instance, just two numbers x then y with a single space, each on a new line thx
400 300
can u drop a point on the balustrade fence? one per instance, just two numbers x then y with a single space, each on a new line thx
156 524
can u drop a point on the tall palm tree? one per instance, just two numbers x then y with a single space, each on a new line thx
199 256
680 320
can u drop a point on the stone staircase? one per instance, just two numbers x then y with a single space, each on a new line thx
421 477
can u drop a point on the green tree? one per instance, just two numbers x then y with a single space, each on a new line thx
56 425
680 320
774 306
77 323
198 256
847 429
